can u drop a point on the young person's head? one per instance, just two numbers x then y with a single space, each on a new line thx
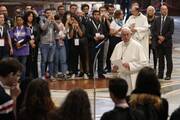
73 8
85 8
29 17
119 15
102 10
48 12
75 19
61 9
118 89
147 82
10 71
76 106
38 97
111 9
96 15
19 20
28 8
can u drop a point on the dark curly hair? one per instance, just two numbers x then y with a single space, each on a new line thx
27 14
75 107
147 82
38 100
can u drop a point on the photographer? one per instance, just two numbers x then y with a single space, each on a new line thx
47 42
76 34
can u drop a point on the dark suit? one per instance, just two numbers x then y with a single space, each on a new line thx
152 43
165 48
91 31
4 50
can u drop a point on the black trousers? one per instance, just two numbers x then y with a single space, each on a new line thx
92 53
75 52
155 55
32 63
113 41
165 53
4 52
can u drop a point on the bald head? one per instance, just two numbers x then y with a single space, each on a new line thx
150 11
126 34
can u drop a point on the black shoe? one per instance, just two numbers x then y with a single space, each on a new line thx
167 78
101 76
160 76
90 75
81 74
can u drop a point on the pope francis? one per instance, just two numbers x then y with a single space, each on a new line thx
128 58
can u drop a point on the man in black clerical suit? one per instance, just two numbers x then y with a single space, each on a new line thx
163 29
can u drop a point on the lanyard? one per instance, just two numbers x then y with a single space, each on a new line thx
97 27
18 32
31 29
1 31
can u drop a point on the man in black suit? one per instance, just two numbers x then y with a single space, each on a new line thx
96 34
163 29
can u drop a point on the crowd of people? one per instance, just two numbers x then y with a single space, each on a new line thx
69 40
35 103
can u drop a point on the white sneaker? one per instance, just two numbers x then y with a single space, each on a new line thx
52 78
72 76
85 76
43 78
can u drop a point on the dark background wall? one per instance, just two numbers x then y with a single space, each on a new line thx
174 5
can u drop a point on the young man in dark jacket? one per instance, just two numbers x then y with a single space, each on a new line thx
10 70
118 90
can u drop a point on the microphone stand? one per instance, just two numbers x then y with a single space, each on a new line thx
94 80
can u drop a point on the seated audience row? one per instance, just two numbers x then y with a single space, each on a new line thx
144 103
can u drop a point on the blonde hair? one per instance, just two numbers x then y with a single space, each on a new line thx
151 7
145 98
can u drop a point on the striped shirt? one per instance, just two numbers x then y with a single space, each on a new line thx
6 105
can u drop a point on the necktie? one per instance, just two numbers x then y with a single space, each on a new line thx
1 31
162 24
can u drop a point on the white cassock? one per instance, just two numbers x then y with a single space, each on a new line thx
142 34
133 54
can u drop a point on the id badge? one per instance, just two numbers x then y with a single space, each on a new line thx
76 42
32 37
2 42
50 44
97 34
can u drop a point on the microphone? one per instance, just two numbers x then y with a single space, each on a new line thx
100 44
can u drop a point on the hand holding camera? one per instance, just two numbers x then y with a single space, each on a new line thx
51 18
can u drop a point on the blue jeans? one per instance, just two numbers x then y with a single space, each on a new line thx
47 57
22 60
60 57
